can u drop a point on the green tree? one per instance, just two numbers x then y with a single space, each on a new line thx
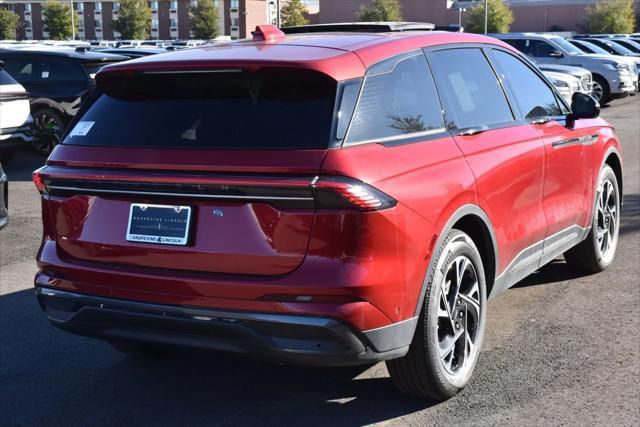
294 14
616 16
204 20
8 24
134 19
57 19
499 18
380 10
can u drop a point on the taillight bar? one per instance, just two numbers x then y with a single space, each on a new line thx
321 192
335 192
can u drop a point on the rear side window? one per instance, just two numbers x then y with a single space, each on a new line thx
532 95
263 109
399 102
45 70
472 95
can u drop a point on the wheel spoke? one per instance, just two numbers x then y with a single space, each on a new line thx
448 346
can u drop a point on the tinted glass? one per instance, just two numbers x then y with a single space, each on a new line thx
533 96
566 46
633 47
471 92
541 49
521 45
591 48
268 109
6 79
400 102
348 101
44 70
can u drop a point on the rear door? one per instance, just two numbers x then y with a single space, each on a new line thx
505 155
236 149
567 182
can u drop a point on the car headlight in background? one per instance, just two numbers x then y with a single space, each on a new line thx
560 83
620 68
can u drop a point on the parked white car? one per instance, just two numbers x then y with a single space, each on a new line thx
16 123
566 84
582 74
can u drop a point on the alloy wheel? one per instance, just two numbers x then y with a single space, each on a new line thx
597 91
459 316
607 220
47 130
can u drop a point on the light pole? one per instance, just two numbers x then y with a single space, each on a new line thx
73 21
486 15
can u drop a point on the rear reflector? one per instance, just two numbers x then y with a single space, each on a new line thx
342 192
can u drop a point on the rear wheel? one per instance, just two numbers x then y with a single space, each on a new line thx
450 330
597 251
601 91
49 125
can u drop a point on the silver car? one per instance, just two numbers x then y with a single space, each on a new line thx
613 77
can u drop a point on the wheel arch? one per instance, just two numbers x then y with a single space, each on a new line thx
40 103
613 160
472 220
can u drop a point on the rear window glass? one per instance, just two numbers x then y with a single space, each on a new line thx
264 109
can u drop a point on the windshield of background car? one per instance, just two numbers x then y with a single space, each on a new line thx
566 46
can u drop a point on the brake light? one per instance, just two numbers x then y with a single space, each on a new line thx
37 180
342 192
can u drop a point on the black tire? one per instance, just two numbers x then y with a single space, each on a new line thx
588 256
49 126
138 349
422 371
606 91
6 155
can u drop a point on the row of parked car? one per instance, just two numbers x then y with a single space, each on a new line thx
43 84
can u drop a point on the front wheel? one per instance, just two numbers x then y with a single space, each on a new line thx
600 90
450 330
597 251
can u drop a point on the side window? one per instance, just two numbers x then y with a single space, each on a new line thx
542 49
6 79
519 44
532 95
397 102
16 67
471 92
57 70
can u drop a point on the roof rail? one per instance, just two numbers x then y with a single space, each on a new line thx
360 27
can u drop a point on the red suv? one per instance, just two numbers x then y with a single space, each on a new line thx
323 198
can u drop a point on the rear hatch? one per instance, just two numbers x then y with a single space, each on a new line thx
226 156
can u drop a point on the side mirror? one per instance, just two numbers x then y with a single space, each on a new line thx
583 106
556 54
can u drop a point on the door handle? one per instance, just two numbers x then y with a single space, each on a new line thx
541 121
473 131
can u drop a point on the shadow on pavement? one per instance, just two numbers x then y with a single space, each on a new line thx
51 377
23 164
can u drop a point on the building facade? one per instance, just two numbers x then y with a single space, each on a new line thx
169 18
529 15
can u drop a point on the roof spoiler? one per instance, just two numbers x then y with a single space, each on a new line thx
361 27
267 33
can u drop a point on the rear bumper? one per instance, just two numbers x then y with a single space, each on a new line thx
305 340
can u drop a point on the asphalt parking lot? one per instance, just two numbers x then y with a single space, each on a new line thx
561 348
